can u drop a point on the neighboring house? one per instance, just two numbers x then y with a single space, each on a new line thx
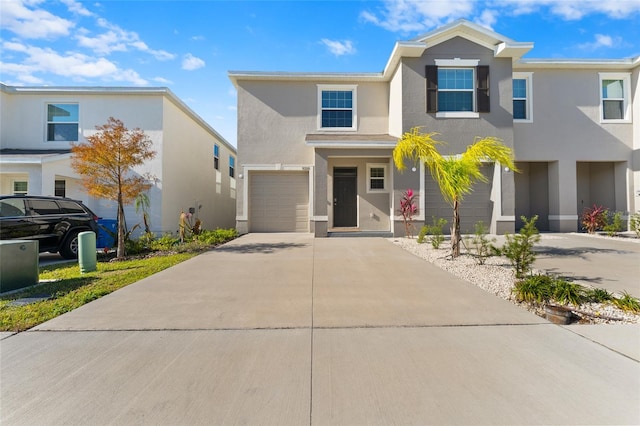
315 148
194 165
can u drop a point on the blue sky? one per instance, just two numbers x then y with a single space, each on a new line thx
189 46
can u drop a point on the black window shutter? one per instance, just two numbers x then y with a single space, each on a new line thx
432 88
482 88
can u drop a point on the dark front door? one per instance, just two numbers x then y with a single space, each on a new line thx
345 194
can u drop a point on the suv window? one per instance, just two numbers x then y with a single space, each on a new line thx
12 207
42 207
70 207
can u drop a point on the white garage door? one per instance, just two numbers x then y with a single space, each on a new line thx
279 202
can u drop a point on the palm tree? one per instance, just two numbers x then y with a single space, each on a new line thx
455 175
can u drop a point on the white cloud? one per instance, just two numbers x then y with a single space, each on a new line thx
601 40
418 15
76 7
190 62
197 38
31 23
339 48
116 39
487 18
232 108
574 9
406 16
162 80
71 64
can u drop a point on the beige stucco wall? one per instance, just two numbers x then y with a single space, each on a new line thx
183 163
189 176
588 160
395 103
275 116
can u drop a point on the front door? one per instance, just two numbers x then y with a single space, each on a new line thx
345 197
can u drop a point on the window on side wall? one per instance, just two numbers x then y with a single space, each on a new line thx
20 187
522 97
60 189
377 178
457 88
62 122
216 157
615 93
337 107
232 166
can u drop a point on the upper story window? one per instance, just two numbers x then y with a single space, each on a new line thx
216 157
615 95
337 107
60 188
457 88
522 96
232 166
62 122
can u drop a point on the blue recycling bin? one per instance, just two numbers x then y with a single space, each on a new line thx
107 230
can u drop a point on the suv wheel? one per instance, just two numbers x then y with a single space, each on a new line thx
69 249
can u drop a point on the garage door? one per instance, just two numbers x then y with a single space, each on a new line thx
278 202
475 207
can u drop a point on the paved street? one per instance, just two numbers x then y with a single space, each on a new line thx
290 330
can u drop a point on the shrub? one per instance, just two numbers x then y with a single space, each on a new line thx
627 303
164 243
614 225
634 223
216 237
482 245
408 209
594 218
519 247
534 289
597 295
434 231
565 292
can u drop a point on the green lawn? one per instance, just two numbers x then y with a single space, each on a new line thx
68 289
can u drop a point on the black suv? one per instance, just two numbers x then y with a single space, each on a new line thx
53 221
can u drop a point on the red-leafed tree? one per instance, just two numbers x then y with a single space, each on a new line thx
106 164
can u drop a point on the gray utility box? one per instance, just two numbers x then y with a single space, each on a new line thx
18 264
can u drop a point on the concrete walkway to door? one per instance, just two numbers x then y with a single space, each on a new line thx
290 330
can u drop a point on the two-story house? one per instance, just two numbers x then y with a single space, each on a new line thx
194 166
315 149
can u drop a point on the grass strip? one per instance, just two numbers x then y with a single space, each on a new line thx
70 289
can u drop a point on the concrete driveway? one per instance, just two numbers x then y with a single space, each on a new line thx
285 329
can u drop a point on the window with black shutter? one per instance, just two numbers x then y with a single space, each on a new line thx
453 89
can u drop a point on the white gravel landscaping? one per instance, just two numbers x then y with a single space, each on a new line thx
497 276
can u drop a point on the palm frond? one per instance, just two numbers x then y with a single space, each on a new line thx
417 147
489 149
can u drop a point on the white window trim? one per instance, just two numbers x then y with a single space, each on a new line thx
386 178
460 64
458 114
528 76
626 105
342 87
457 63
47 122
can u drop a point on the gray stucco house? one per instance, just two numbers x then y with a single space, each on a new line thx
315 149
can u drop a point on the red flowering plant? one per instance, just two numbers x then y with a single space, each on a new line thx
594 218
408 209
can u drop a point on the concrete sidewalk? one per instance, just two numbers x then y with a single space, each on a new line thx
286 329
